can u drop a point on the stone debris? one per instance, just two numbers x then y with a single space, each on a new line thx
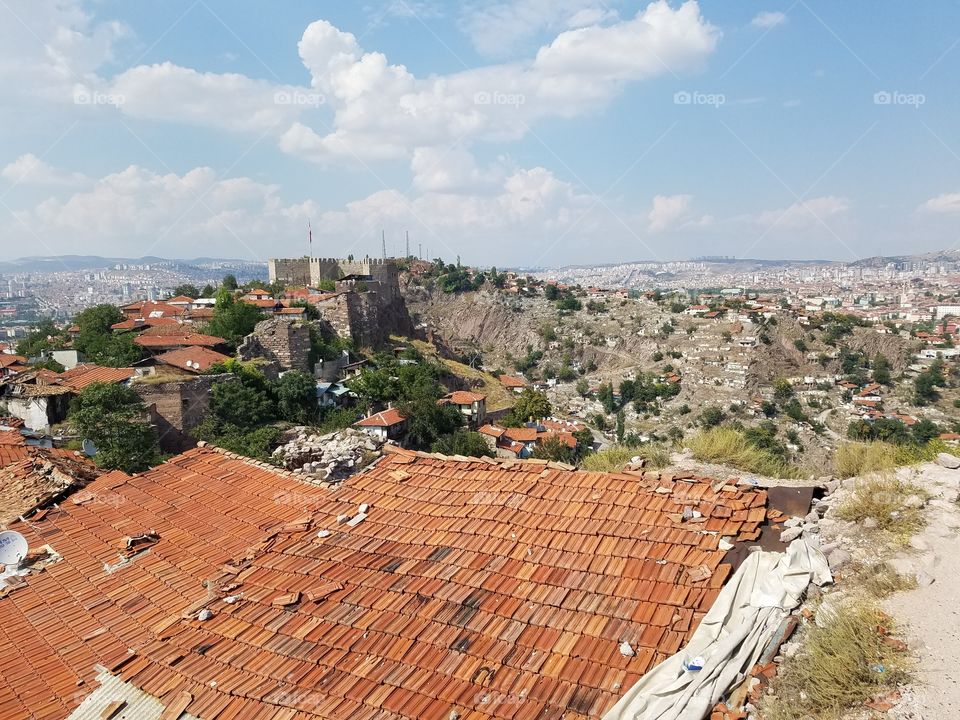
327 458
949 461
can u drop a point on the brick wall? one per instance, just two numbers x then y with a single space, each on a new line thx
281 340
178 406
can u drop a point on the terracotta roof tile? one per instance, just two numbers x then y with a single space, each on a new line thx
500 589
386 418
152 342
192 359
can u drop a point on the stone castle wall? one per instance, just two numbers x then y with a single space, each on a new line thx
282 340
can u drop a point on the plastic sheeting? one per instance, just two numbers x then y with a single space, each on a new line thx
730 639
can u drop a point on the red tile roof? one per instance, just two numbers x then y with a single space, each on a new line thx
180 299
512 381
496 589
523 434
83 375
207 508
492 430
32 476
6 360
180 340
464 397
386 418
192 359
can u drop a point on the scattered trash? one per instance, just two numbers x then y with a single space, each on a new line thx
204 615
695 663
323 534
626 650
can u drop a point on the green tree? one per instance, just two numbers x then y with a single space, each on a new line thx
232 320
925 384
114 418
427 421
551 292
782 389
297 397
101 345
711 416
553 448
462 442
881 369
530 404
230 282
583 387
621 426
188 289
924 431
606 398
47 336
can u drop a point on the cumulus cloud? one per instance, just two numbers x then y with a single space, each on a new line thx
137 211
28 169
374 109
944 204
674 211
381 109
768 19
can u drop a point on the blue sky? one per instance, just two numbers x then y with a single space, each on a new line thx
532 132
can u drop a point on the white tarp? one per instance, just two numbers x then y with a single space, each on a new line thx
730 639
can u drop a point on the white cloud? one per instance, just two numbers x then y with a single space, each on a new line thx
383 110
136 212
373 109
225 100
946 203
500 28
49 46
28 169
804 214
674 211
768 19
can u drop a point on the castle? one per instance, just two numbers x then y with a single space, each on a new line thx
310 271
366 306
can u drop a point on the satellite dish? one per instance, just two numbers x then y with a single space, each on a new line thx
13 548
89 449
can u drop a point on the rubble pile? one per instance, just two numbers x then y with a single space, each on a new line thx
327 458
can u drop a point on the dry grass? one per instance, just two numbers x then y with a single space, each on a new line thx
881 580
498 397
727 446
615 458
840 665
883 498
861 458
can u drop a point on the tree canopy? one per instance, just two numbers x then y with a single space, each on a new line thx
114 418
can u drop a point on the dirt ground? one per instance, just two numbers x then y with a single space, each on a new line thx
929 616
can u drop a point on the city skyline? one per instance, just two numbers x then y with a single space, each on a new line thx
534 134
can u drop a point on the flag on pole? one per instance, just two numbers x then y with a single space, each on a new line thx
310 237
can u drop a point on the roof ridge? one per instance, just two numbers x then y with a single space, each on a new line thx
553 465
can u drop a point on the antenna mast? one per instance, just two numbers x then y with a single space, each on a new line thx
383 240
407 234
